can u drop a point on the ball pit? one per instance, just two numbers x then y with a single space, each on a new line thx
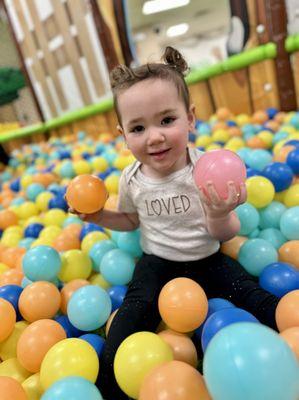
53 266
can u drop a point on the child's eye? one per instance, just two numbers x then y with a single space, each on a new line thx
137 129
167 120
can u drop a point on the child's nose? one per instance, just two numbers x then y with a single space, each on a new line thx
155 136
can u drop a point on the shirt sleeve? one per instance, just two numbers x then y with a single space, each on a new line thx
125 201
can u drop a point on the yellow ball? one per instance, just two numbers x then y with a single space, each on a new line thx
50 232
42 200
279 196
75 265
137 355
122 162
288 128
266 137
98 280
3 268
11 239
291 197
12 368
8 348
99 164
111 183
234 144
42 242
69 357
33 387
27 210
203 141
260 191
55 216
242 119
36 219
16 229
91 238
25 181
81 167
221 135
213 146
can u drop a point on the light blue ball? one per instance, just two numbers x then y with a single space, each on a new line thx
33 190
41 263
258 159
270 215
273 236
256 254
26 243
72 388
89 308
249 218
130 242
67 170
289 223
254 234
244 153
250 362
72 220
98 251
117 267
280 135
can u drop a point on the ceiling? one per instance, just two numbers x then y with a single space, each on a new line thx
205 17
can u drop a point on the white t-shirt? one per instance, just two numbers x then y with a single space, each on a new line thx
172 220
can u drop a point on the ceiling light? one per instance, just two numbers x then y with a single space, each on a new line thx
177 30
155 6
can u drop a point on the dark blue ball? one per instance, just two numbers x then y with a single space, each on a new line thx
15 185
96 341
292 142
293 160
89 227
192 137
12 294
70 330
252 172
58 202
280 174
231 123
271 111
63 154
117 294
279 278
33 230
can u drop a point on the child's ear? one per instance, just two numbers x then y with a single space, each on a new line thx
191 117
120 129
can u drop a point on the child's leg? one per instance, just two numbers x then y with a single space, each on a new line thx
225 277
139 312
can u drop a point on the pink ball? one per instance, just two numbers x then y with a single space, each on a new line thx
219 167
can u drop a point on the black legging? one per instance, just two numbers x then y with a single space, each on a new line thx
219 276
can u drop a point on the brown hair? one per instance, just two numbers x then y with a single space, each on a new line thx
172 69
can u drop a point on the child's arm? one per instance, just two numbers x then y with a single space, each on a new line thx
222 223
114 220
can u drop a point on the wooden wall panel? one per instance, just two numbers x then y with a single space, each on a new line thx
201 97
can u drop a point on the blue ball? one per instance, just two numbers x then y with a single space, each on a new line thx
117 267
117 294
280 174
41 263
130 242
89 308
271 111
96 341
73 388
252 172
293 160
97 252
33 230
249 218
12 294
250 361
289 223
15 185
58 202
70 330
89 227
256 254
222 318
279 278
270 215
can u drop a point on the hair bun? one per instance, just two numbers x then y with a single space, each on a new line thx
121 73
174 59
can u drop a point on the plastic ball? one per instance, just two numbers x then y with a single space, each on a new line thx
89 308
68 290
249 218
271 214
280 174
10 389
96 341
250 359
219 167
232 247
97 252
70 330
111 183
87 228
86 194
287 311
12 294
117 294
289 223
41 263
259 158
75 265
130 242
33 230
293 160
91 239
42 200
33 190
137 355
279 278
55 216
183 304
222 318
69 357
8 347
291 196
256 254
8 319
33 387
174 380
7 218
291 336
58 202
273 236
36 340
117 267
260 191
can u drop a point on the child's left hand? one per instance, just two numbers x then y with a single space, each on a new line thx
215 206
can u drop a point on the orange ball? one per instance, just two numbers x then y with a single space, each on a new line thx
11 277
86 194
36 340
7 318
256 143
65 242
287 311
223 113
7 218
39 300
183 304
182 346
11 255
291 336
280 116
67 291
234 131
283 153
109 322
232 247
10 389
73 230
260 117
174 380
289 252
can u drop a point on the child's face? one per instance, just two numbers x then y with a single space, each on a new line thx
155 124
